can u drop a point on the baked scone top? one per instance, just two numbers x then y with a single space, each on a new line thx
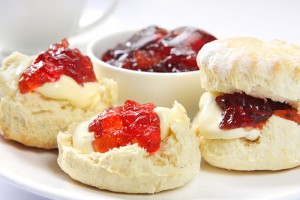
265 69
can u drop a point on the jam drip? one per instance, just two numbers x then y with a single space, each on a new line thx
124 125
50 65
242 110
156 50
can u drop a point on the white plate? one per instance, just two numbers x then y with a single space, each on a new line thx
37 171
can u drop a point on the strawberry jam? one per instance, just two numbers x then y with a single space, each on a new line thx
242 110
155 50
127 124
50 65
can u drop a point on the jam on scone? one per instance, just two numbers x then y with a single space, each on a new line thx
127 124
50 65
242 110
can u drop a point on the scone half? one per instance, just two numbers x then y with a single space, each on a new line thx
35 118
131 169
263 71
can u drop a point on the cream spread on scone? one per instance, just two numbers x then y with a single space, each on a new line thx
210 117
63 89
67 89
82 138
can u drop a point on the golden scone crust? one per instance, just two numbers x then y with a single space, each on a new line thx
131 169
266 69
276 148
34 120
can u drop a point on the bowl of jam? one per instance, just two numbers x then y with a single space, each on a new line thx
153 64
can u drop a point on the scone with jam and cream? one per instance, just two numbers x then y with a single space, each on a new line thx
249 118
41 95
133 148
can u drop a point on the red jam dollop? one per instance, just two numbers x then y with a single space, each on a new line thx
242 110
50 65
127 124
156 50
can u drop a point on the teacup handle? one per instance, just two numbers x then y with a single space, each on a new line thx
98 21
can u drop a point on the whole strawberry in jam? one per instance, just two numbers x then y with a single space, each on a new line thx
155 50
50 65
127 124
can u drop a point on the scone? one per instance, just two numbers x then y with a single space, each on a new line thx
249 118
132 149
41 95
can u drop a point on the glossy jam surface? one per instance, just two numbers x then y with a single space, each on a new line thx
156 50
242 110
127 124
50 65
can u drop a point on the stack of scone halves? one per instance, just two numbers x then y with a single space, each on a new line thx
249 118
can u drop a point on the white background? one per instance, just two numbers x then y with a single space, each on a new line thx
265 19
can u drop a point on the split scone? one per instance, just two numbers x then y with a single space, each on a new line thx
132 149
249 118
41 95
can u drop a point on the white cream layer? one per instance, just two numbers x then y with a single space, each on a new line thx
68 89
210 116
82 138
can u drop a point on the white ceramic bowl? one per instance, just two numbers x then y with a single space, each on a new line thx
162 89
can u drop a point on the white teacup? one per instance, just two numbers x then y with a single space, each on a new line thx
29 26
